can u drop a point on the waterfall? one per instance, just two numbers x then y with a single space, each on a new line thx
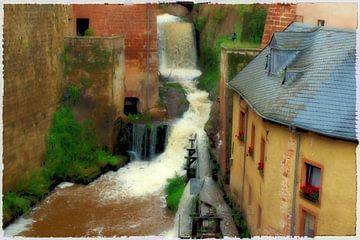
142 181
146 141
176 48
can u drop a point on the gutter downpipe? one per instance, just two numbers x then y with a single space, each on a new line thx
244 158
293 208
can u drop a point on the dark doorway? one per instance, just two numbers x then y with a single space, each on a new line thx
130 105
82 24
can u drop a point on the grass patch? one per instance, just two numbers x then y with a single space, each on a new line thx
104 158
239 44
174 189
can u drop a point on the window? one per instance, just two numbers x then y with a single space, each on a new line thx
299 18
250 150
262 157
310 189
259 217
82 24
321 22
249 196
308 226
241 134
312 175
277 60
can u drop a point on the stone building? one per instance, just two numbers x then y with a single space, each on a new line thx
137 23
293 166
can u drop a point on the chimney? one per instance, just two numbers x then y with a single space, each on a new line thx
279 16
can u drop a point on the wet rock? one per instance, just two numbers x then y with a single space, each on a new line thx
173 97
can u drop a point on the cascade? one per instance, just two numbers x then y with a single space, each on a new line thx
136 190
147 141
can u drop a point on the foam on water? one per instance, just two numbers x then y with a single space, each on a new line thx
141 178
21 224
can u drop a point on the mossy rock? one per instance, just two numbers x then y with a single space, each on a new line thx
89 173
7 217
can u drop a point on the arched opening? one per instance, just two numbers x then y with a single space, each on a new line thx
131 105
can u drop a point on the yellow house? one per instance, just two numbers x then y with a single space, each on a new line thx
293 165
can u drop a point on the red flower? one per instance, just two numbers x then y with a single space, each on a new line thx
240 136
261 166
250 151
310 192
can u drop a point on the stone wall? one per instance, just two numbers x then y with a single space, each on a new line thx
137 23
33 81
279 16
97 67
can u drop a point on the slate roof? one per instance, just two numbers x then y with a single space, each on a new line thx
322 96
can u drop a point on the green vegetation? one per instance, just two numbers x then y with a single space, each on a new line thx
89 32
73 92
174 189
249 29
254 20
236 63
239 220
200 23
239 44
72 155
219 15
140 118
94 59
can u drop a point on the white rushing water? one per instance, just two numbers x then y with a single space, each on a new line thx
144 178
141 178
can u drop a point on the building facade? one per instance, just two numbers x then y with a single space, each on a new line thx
137 23
293 166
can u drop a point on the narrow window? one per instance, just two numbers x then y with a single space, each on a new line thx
249 196
261 164
251 150
241 133
321 22
311 188
82 24
259 217
308 227
262 150
312 175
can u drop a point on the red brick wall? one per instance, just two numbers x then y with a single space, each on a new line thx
131 22
279 16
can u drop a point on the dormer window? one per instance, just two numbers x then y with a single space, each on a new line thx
278 60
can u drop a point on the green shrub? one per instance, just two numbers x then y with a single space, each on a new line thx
139 118
70 145
104 158
89 32
200 23
15 203
73 92
174 189
33 185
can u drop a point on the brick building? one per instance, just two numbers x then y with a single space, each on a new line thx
137 23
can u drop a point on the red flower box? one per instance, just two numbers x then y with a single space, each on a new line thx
240 136
310 192
250 151
261 167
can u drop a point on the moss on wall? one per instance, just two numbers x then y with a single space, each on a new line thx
215 24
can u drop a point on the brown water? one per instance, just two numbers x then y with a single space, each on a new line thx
127 202
80 211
